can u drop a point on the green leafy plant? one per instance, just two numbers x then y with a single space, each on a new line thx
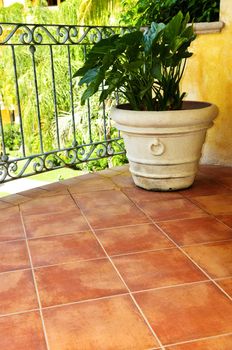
143 12
12 137
145 67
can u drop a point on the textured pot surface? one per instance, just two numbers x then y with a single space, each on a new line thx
164 148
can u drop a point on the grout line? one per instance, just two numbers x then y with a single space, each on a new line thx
141 252
85 301
188 256
119 275
200 339
18 313
13 240
171 286
222 278
12 271
36 287
69 262
205 243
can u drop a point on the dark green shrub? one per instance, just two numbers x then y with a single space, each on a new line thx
12 137
143 12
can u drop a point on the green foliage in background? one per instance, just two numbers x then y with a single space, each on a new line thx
143 12
69 12
12 137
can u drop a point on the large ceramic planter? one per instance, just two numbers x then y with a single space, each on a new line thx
164 148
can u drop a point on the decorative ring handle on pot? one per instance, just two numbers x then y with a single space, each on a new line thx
157 147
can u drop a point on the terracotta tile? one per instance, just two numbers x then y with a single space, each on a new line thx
9 213
122 168
22 332
4 205
34 192
171 209
77 281
123 180
112 216
62 249
204 187
15 199
226 181
216 204
187 312
55 186
227 219
112 323
78 179
214 258
200 230
48 205
216 171
226 285
215 343
138 195
157 269
17 292
129 239
55 223
108 172
13 256
92 184
11 227
89 201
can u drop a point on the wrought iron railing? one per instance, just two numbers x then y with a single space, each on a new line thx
42 125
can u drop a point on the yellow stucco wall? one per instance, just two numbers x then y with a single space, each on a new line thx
208 77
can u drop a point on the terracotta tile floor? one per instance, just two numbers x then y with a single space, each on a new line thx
95 263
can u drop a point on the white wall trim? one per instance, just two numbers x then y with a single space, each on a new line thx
208 27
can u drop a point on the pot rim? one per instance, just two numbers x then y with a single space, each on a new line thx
203 114
187 105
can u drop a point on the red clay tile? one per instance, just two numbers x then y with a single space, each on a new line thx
204 187
52 204
20 332
215 204
34 192
157 269
110 172
4 205
11 227
92 200
214 258
215 343
187 312
62 249
139 195
123 180
113 323
112 216
15 199
122 240
171 209
13 256
227 219
9 213
216 171
226 181
77 281
55 223
92 184
200 230
17 292
226 285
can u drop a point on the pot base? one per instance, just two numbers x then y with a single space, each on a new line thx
159 185
156 177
